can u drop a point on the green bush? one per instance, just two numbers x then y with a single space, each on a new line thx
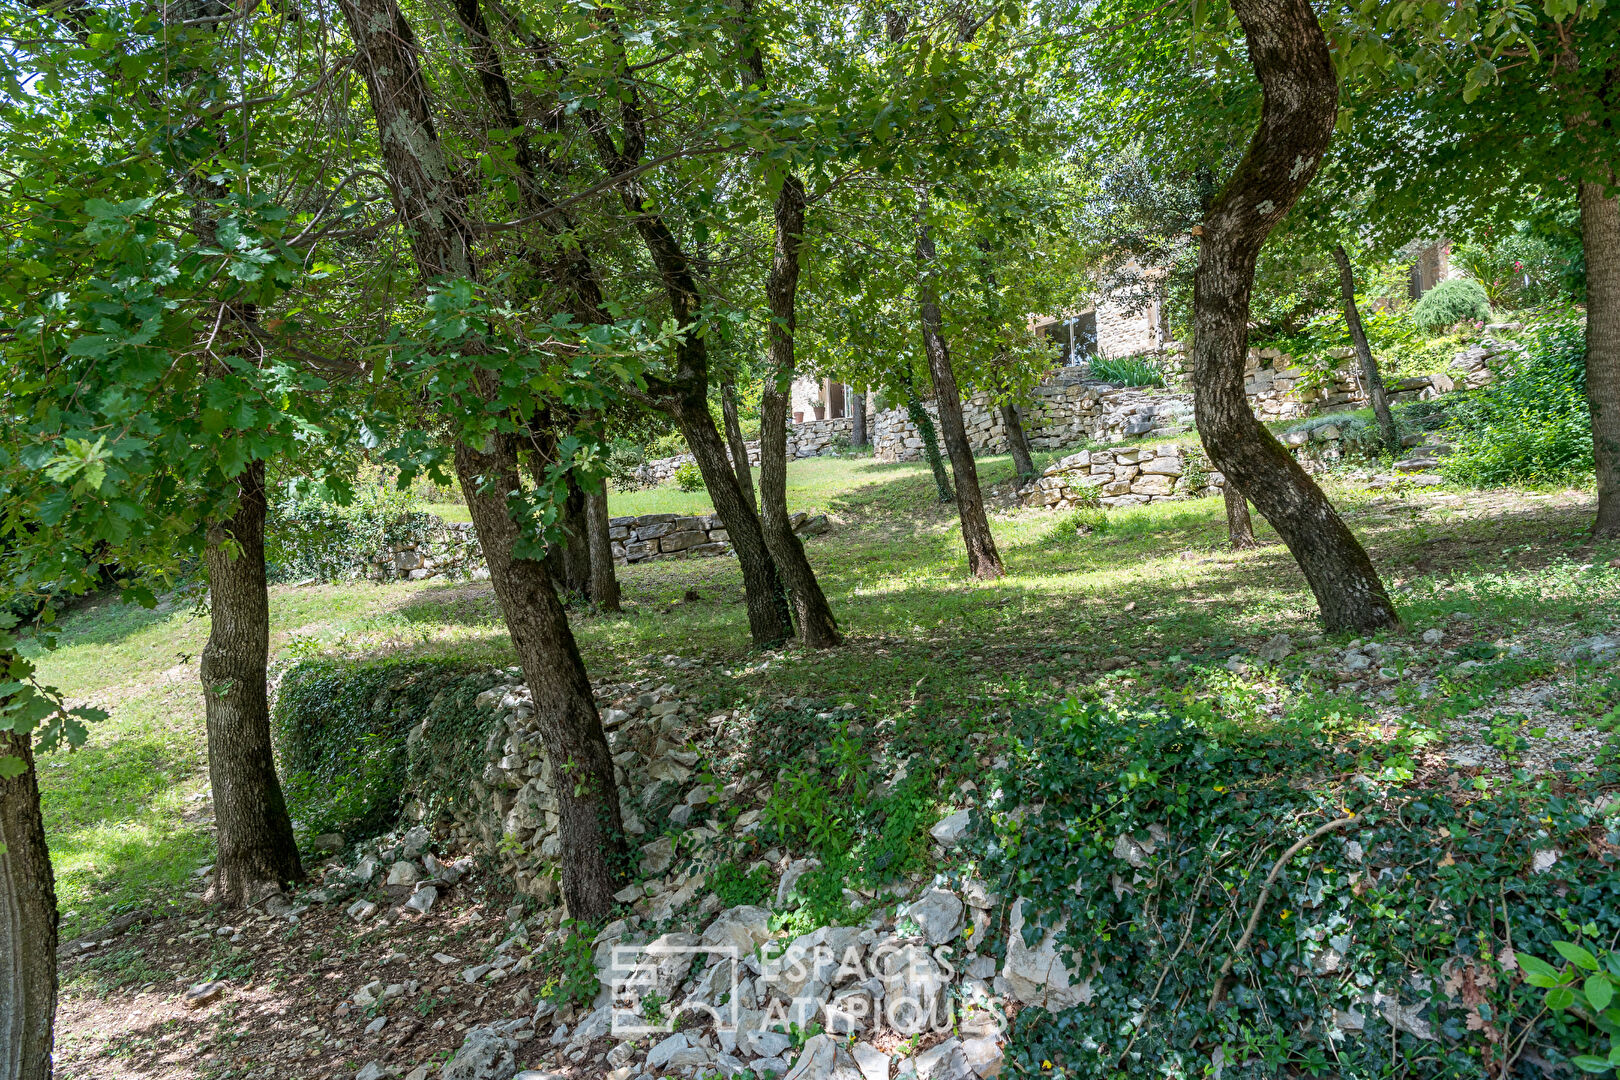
1533 424
688 477
341 730
1127 370
1449 303
313 537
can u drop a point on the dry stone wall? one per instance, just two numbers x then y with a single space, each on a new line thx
651 535
1128 476
812 438
449 549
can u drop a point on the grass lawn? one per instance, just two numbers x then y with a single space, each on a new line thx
123 813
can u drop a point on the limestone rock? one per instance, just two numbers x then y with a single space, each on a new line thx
1036 975
824 1058
939 914
950 829
485 1054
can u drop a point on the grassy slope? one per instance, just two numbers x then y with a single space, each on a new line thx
925 638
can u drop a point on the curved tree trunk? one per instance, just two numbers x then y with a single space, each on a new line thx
918 415
591 834
1369 367
1017 442
1239 528
27 922
737 444
1295 70
604 579
983 559
589 827
257 852
817 628
1600 241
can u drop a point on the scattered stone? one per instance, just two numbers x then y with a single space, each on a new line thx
422 899
656 856
950 829
373 1071
332 843
939 914
403 873
1276 648
203 993
361 910
824 1058
1544 860
485 1054
1433 636
414 844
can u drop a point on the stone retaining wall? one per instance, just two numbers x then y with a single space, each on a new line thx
1130 476
812 438
646 537
451 548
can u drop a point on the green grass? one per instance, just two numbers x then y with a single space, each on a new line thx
926 641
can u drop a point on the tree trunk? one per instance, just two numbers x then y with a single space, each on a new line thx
568 561
27 922
1295 70
1239 529
590 831
1017 442
769 622
604 579
737 444
857 414
589 827
1369 367
817 627
930 439
257 852
983 559
1600 240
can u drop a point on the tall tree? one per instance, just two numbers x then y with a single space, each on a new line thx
736 443
28 917
487 462
1370 378
257 852
984 561
1290 58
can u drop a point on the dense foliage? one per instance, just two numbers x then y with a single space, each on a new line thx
1141 833
314 537
342 732
1533 424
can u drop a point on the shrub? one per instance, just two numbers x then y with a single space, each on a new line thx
688 477
341 731
1532 424
313 537
1449 303
1127 370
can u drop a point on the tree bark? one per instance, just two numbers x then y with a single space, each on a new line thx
257 851
1369 367
604 579
568 561
592 838
983 559
589 827
1017 442
1239 528
817 627
857 415
27 922
737 444
1291 60
1600 240
924 424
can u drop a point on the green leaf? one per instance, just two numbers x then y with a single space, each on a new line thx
1588 1063
1599 991
12 767
1576 955
1534 965
1560 998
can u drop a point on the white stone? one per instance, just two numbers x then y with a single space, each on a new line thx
950 829
824 1058
939 914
